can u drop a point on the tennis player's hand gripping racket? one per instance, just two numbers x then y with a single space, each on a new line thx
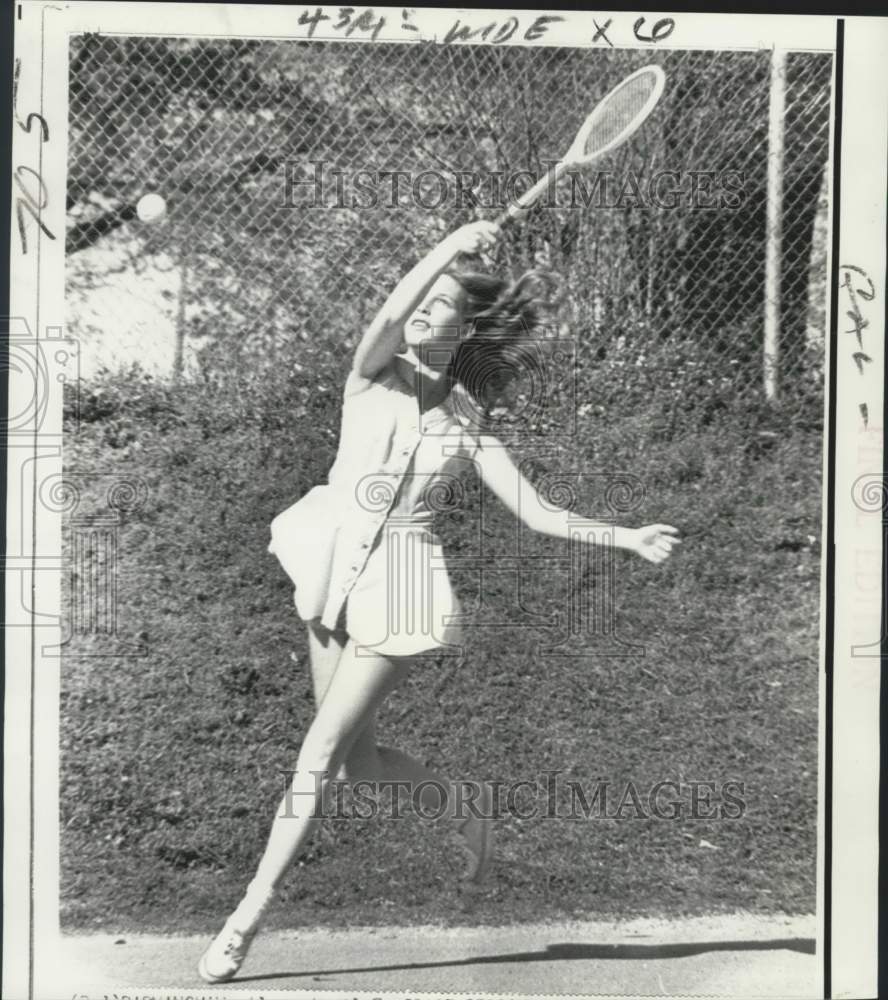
617 116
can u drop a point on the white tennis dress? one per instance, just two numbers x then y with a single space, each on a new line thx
360 549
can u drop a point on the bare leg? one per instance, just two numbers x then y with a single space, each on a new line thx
438 798
342 734
366 761
325 650
353 695
357 689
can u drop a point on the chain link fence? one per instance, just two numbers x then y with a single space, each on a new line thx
302 178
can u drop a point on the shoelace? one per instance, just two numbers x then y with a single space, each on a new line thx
233 945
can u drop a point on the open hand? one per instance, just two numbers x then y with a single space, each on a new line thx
655 542
474 237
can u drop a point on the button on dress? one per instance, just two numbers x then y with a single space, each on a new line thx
360 548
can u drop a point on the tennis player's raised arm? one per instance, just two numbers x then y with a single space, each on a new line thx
653 542
384 336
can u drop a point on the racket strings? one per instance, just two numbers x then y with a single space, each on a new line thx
619 112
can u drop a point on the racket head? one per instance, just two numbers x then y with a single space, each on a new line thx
619 114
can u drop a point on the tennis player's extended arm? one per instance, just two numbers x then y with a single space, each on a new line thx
653 542
384 336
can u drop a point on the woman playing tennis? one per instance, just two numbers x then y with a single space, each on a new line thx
367 567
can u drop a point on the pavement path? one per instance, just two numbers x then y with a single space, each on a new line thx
719 956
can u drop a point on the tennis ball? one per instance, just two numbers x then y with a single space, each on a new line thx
151 208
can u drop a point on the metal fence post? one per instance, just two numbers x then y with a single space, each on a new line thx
774 223
179 352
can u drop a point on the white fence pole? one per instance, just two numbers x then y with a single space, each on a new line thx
179 351
774 241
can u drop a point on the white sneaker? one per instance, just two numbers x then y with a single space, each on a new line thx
225 955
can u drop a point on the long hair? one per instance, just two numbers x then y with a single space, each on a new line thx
500 319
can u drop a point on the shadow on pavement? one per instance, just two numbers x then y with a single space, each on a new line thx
570 952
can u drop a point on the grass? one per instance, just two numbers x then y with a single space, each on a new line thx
172 762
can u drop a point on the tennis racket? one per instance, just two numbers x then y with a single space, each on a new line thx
617 116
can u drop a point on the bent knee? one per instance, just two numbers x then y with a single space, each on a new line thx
322 753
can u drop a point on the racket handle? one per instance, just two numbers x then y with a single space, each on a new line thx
522 205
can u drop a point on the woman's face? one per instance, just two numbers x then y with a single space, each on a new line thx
439 315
